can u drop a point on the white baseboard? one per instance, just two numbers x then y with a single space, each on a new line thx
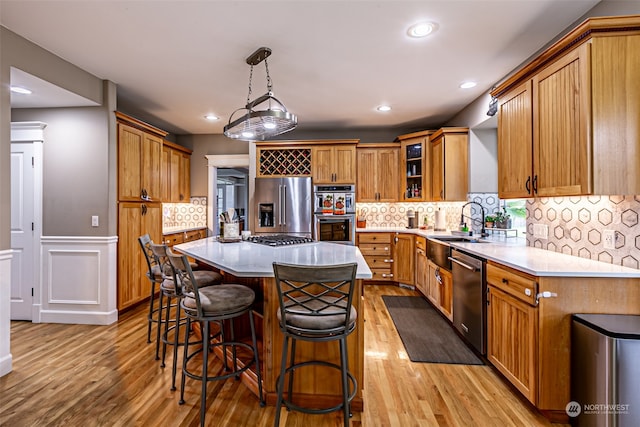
5 312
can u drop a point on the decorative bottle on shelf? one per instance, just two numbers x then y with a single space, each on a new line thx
416 192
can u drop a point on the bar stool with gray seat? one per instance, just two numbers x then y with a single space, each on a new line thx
155 276
168 290
315 305
221 304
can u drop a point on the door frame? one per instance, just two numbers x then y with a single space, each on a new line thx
224 161
33 132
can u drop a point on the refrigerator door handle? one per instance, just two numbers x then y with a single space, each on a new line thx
279 204
284 205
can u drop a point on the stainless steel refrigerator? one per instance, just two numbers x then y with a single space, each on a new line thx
283 205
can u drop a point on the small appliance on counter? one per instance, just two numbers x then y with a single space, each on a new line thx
411 219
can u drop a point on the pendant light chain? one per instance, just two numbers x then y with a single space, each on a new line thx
250 78
269 83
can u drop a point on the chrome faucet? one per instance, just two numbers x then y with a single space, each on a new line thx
483 231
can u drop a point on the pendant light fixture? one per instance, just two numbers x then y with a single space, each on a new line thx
270 120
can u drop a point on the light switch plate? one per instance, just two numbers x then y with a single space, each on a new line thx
94 221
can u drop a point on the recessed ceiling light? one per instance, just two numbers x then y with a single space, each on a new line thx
22 90
467 85
383 108
422 29
211 117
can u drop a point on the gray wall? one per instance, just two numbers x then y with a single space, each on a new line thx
75 169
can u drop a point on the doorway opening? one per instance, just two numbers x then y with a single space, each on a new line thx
233 193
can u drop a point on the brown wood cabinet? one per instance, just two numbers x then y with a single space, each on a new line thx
450 164
403 258
422 265
140 189
567 120
334 164
176 173
529 333
376 248
139 158
134 220
415 170
512 328
440 289
184 236
377 172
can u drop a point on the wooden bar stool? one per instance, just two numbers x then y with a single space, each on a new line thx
168 290
221 304
315 304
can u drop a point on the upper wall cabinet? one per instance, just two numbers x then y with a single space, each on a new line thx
139 160
415 172
176 173
567 122
450 164
377 175
334 164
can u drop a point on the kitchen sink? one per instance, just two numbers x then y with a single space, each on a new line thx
467 239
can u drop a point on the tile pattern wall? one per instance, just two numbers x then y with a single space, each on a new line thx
185 215
576 225
395 214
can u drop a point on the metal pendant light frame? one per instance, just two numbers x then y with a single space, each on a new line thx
259 125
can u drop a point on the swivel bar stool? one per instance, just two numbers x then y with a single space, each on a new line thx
218 304
204 278
155 276
315 305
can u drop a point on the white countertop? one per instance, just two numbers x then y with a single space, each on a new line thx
246 259
514 253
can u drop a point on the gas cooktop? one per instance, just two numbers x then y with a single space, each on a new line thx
279 239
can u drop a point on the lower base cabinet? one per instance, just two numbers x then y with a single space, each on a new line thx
440 289
134 220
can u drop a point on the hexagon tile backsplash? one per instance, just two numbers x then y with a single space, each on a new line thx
185 215
576 226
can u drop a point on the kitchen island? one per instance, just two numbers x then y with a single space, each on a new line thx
250 264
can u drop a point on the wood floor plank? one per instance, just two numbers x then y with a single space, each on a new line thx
69 375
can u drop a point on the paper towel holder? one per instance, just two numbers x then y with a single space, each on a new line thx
439 223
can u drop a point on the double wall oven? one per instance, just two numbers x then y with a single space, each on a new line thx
334 213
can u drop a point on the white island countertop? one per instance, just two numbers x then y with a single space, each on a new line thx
247 259
514 253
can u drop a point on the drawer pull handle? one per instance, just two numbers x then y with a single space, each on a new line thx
388 260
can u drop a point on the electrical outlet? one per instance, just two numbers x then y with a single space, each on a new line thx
94 221
541 231
609 237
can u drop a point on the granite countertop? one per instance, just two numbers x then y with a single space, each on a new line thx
514 253
246 259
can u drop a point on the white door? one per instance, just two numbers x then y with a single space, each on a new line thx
22 234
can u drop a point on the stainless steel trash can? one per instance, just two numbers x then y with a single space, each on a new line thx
605 370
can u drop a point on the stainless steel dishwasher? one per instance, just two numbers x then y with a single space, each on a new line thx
469 298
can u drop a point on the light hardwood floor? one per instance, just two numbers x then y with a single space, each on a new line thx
79 375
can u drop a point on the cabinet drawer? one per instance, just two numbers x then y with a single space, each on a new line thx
173 239
192 235
375 249
517 284
421 243
374 238
378 261
381 274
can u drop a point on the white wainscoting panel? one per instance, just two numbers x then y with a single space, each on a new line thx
79 280
5 311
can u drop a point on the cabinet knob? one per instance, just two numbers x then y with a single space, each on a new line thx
504 280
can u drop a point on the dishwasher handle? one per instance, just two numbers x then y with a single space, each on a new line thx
467 266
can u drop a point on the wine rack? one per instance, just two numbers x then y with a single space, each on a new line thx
284 162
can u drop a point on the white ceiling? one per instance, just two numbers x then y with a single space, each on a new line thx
333 62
